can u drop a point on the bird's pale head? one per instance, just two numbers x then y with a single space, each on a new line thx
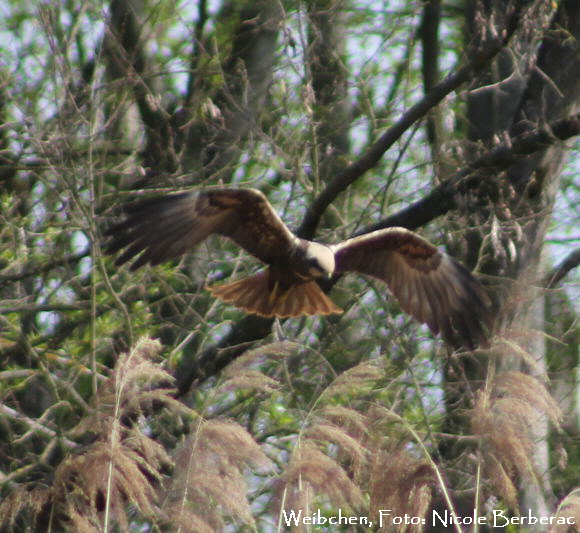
320 260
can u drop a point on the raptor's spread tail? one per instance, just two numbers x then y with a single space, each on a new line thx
255 295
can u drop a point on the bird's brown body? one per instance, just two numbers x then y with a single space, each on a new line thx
429 284
285 289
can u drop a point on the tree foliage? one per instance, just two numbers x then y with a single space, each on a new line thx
136 401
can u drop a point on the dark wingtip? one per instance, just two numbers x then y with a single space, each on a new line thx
476 326
148 232
473 322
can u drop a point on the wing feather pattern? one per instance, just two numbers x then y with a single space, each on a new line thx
429 285
162 228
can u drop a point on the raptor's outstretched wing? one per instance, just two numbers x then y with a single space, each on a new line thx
168 226
430 286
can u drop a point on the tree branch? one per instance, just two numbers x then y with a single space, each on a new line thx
429 34
43 308
196 50
128 61
373 155
34 425
215 143
561 271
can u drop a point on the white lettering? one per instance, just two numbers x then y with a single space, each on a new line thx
452 519
531 519
292 517
318 518
381 513
443 521
499 514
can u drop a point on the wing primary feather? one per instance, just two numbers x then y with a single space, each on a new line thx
119 242
155 247
436 301
465 332
129 253
159 225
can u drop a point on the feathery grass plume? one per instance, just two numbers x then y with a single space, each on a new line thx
330 454
347 417
242 373
25 501
249 379
512 347
106 472
568 511
401 483
94 488
528 390
349 447
259 355
138 381
312 473
358 379
137 386
354 425
209 479
506 416
123 466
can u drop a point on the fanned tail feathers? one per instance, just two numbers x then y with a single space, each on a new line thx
254 295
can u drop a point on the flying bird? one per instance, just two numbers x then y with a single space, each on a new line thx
430 285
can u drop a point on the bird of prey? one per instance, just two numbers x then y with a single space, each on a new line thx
429 285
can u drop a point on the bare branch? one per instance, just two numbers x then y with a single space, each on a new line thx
429 34
41 308
129 61
202 17
34 425
247 73
563 269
